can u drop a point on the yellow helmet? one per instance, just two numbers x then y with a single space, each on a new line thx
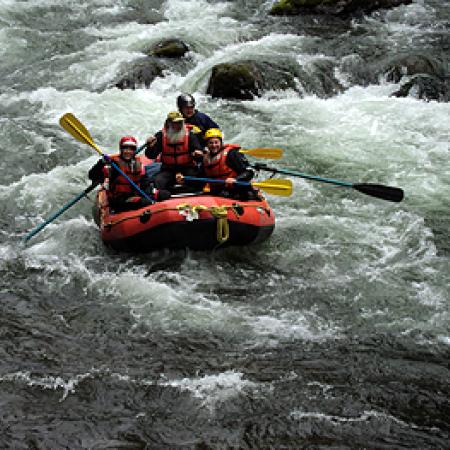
213 133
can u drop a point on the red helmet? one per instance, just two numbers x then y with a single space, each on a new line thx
127 141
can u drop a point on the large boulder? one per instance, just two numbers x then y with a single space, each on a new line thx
335 7
241 81
244 80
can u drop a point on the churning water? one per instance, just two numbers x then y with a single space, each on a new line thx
334 333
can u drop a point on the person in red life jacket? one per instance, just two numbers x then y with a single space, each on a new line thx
178 149
199 121
224 162
122 195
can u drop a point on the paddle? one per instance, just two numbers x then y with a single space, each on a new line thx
74 127
273 186
392 194
261 152
59 212
66 207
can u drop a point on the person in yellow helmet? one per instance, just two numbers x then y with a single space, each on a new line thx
225 162
178 149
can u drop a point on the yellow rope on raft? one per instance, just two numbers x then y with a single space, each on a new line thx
219 212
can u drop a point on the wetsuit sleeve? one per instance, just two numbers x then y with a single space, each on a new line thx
239 163
194 144
153 152
96 174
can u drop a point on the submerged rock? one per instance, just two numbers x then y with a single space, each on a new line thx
412 64
142 74
424 87
335 7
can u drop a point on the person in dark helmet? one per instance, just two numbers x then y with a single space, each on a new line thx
178 149
121 194
200 122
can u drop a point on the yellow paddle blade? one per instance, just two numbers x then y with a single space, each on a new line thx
275 186
74 127
261 152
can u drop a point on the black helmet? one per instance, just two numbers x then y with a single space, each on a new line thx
185 100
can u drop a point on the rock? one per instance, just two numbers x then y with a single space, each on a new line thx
171 48
412 64
245 80
318 78
334 7
142 74
424 87
240 81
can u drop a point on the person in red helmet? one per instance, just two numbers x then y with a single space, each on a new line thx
122 195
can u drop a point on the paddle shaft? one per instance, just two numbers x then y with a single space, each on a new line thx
59 212
213 180
109 159
389 193
303 175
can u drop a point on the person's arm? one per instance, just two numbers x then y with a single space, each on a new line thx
195 148
239 163
96 174
154 146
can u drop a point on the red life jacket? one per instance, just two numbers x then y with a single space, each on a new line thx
176 154
216 166
119 184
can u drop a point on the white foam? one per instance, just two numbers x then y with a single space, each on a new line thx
366 416
47 382
214 390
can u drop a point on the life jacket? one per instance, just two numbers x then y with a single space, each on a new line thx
216 166
176 154
118 184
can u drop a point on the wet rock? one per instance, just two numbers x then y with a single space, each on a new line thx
142 74
334 7
171 48
318 78
164 55
241 81
245 80
424 87
357 71
412 64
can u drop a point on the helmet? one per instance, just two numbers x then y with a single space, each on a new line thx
175 116
213 133
127 141
185 100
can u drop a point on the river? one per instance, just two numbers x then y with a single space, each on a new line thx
334 333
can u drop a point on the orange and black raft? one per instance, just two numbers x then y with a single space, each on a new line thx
200 222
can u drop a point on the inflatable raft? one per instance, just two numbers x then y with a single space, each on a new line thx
197 221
